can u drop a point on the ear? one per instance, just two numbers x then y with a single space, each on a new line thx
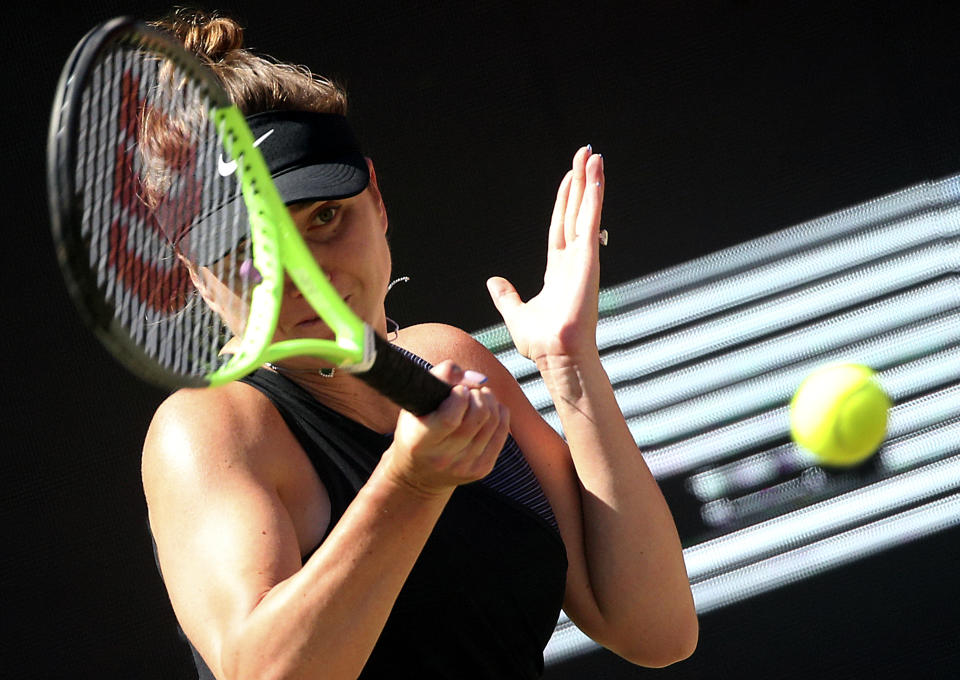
195 278
199 279
218 297
374 188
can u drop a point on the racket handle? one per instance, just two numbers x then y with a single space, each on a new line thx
408 384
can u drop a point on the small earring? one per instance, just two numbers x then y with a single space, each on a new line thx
402 279
393 329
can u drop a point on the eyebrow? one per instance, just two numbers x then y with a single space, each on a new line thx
303 206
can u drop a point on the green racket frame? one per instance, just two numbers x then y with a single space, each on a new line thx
271 225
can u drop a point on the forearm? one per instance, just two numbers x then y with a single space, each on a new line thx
324 620
633 554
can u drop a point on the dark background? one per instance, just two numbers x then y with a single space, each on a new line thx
718 121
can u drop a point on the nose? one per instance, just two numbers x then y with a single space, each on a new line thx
290 289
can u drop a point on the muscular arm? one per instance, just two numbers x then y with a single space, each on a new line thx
214 472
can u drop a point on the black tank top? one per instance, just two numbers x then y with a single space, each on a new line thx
483 598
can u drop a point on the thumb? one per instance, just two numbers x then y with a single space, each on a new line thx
504 295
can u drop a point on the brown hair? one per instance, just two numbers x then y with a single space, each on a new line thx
255 83
166 139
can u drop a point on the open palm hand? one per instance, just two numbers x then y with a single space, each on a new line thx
560 321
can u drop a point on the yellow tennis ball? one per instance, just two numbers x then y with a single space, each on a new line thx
839 414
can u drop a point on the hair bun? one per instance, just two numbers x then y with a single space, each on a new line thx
254 83
209 36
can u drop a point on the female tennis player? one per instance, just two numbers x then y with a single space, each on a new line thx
306 527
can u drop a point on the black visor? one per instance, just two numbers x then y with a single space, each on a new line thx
311 156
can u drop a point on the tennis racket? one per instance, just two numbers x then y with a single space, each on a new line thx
140 215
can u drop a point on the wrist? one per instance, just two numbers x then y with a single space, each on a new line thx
566 364
406 482
567 376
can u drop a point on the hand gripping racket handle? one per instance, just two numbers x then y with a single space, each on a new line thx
407 384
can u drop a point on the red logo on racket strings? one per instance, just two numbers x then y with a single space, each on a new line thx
165 289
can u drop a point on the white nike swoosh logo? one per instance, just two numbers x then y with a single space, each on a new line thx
228 168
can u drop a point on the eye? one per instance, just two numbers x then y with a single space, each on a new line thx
324 215
242 250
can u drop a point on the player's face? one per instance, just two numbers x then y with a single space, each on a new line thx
348 239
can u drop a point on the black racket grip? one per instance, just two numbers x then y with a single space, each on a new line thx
408 384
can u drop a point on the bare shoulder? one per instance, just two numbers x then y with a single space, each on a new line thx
211 452
230 414
438 342
198 434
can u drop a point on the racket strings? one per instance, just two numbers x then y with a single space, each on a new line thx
157 217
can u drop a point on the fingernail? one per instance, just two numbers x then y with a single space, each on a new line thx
474 377
589 148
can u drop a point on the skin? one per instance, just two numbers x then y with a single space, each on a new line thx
234 501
